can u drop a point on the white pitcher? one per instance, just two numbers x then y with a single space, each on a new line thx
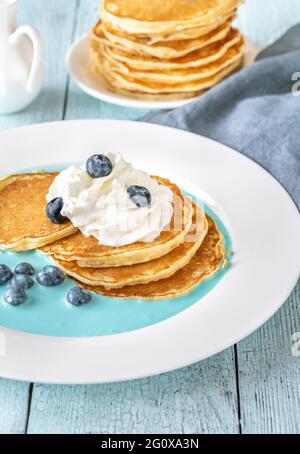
21 67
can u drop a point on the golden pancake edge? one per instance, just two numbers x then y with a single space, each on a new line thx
165 50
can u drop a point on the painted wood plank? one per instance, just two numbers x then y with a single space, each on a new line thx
55 22
197 399
269 374
13 406
49 18
252 19
198 403
62 409
81 105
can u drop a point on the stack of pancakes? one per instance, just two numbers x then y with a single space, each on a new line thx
166 49
189 251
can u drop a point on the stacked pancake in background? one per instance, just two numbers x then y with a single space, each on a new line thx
188 251
166 49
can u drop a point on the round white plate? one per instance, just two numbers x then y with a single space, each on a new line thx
78 68
263 222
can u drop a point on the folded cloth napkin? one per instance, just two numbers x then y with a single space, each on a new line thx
256 111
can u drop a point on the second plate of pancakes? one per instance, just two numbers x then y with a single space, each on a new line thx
77 61
141 54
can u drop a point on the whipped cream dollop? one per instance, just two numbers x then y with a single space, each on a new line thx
101 207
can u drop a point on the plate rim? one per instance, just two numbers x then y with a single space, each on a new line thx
32 337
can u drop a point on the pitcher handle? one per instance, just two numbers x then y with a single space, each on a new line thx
34 75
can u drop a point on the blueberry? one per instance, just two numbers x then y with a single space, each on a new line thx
50 276
24 268
5 274
22 280
139 195
53 211
77 296
14 296
98 166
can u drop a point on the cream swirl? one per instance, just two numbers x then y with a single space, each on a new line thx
101 207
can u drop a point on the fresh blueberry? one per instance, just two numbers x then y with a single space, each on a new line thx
50 276
77 296
53 211
24 268
139 195
98 166
14 296
5 274
22 280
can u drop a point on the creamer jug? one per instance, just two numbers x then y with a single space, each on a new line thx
21 67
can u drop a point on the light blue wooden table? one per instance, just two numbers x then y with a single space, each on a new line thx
253 387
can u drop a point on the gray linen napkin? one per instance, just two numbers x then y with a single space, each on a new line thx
254 112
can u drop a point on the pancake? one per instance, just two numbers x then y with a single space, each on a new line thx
197 58
167 11
127 83
142 273
156 17
165 51
24 224
209 258
178 75
189 33
160 40
89 253
168 49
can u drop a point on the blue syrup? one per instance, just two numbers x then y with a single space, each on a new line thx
48 313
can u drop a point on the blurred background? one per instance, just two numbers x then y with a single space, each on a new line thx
60 22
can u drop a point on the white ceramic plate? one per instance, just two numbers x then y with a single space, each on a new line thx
78 68
262 219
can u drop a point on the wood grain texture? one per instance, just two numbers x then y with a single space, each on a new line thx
269 375
201 398
55 20
13 406
198 399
